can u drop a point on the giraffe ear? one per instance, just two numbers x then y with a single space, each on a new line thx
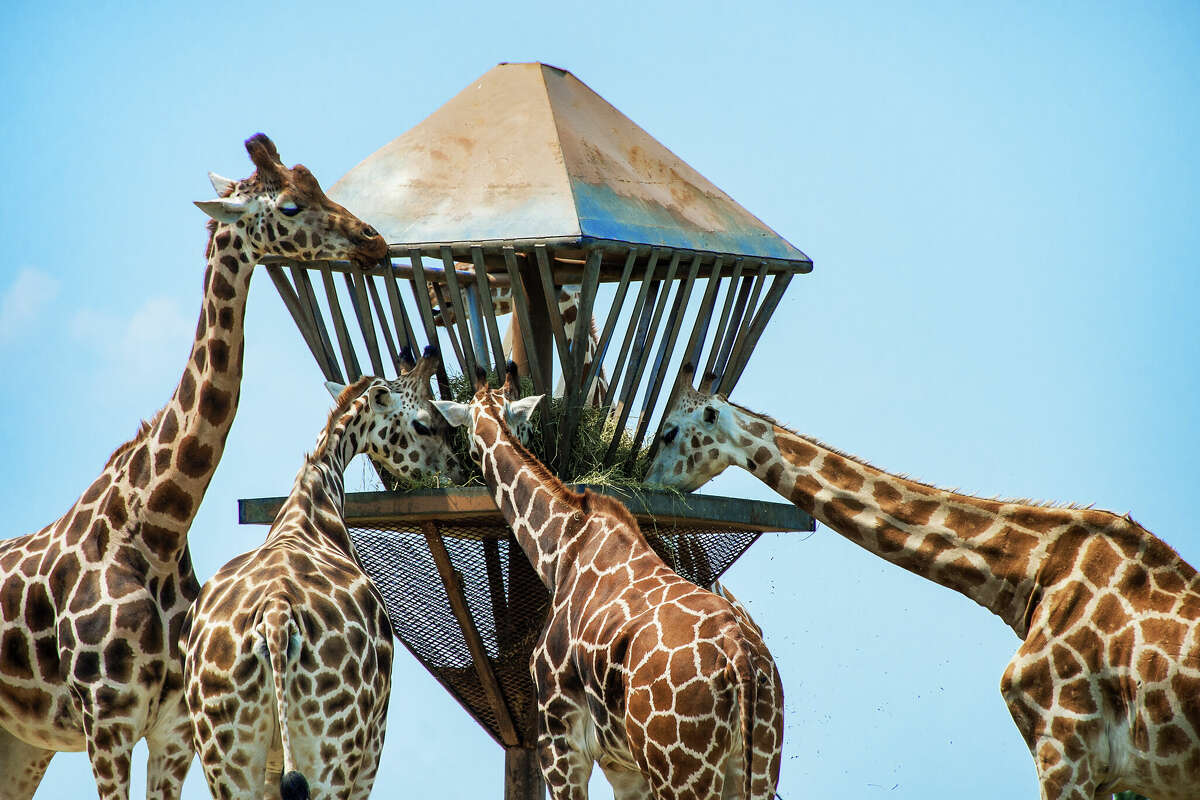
519 411
457 414
223 209
335 388
222 186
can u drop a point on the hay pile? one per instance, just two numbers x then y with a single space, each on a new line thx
585 464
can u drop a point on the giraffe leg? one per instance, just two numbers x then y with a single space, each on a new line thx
22 766
170 756
627 784
110 749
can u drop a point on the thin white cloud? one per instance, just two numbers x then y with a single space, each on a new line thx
24 300
153 341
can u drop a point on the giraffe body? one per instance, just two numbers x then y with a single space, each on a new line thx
652 677
289 648
91 606
1105 687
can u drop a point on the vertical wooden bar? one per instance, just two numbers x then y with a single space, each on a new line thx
573 379
555 313
719 333
537 368
675 323
349 358
523 779
404 331
458 604
446 309
642 357
610 323
740 342
770 302
735 322
489 309
384 327
634 319
296 309
362 309
460 312
308 299
420 290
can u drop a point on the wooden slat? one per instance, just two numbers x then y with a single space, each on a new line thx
635 316
735 322
449 329
384 327
294 307
674 324
719 333
573 379
557 327
610 323
483 286
420 290
308 297
460 312
779 285
404 331
520 303
356 285
458 604
642 356
739 344
349 357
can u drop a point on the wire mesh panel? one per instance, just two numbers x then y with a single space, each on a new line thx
506 602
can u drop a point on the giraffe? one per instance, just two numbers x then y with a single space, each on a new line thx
1105 687
91 605
637 668
568 308
288 648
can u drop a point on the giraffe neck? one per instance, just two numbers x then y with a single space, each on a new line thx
544 515
319 492
185 441
991 551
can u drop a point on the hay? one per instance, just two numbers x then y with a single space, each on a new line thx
586 461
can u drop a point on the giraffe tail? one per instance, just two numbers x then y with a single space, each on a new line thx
746 680
282 639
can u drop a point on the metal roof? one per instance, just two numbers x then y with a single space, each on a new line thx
529 152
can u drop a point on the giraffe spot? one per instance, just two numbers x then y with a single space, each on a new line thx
1109 615
1121 646
114 509
889 539
194 458
1100 562
95 490
1076 697
967 524
160 541
39 613
805 491
45 649
1066 665
186 393
1169 581
796 451
87 666
162 460
222 239
838 472
200 357
62 578
137 469
301 238
1167 634
1171 740
118 661
95 544
92 627
1040 520
168 428
219 350
225 318
201 326
15 658
1153 667
1069 607
1187 691
221 287
170 499
1037 683
219 650
215 404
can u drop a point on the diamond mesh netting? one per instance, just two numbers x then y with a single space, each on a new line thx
506 600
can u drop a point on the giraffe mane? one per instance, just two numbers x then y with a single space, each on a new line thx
596 503
341 406
558 489
144 428
1022 501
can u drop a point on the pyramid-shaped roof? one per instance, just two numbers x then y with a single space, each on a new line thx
528 152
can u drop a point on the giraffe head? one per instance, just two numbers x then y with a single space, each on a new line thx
283 212
405 435
503 404
702 435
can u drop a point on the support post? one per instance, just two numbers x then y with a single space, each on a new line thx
523 774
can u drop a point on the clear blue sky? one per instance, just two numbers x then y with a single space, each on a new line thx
1001 202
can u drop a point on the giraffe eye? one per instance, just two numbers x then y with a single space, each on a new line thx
710 415
289 209
421 429
670 435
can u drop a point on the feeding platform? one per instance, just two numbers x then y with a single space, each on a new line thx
525 186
